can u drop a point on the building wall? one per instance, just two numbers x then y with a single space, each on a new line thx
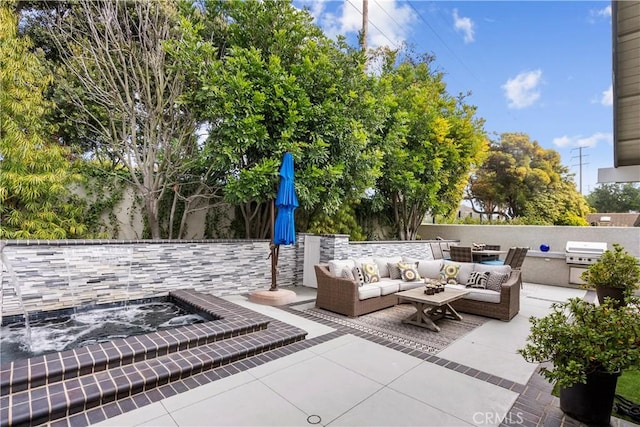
626 82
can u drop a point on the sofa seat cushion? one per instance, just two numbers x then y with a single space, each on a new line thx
478 294
405 286
368 290
387 286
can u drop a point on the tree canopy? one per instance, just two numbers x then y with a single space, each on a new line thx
35 201
615 198
194 103
520 179
431 141
281 85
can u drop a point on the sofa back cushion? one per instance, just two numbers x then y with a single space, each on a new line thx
337 265
492 268
427 268
383 268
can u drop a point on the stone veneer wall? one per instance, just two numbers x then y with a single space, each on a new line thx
70 273
337 246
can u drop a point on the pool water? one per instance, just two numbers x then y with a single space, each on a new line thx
59 331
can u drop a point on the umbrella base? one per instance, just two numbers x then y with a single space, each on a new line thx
275 298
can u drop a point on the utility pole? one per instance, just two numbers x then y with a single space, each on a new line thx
580 163
365 24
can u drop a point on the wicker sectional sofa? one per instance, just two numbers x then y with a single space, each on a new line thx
346 296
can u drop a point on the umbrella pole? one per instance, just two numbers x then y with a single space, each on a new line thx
274 251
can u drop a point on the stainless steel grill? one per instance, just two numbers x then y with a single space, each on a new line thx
584 253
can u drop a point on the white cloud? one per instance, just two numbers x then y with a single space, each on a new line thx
563 141
604 12
607 96
389 21
464 25
580 141
596 15
523 90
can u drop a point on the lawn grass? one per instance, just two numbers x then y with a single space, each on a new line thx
629 385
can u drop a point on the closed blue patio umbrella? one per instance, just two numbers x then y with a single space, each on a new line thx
284 231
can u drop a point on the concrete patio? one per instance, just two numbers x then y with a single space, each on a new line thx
340 376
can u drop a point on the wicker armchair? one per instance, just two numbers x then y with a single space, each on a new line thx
340 295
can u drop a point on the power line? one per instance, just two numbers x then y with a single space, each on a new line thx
442 41
580 163
387 13
374 25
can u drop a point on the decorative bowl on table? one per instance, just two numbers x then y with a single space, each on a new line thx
433 286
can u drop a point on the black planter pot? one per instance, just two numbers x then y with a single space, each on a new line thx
591 403
616 294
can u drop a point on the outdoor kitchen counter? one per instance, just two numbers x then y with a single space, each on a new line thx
546 268
550 254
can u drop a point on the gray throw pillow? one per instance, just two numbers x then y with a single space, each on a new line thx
347 273
394 271
495 280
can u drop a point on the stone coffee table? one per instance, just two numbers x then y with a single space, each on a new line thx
430 308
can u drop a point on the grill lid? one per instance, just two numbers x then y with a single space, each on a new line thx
593 248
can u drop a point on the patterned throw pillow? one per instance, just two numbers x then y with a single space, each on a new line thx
409 271
394 271
347 273
371 274
449 273
478 279
358 276
495 281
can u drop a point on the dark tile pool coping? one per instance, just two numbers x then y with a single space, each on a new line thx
49 387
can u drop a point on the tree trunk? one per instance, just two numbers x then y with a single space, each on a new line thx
151 208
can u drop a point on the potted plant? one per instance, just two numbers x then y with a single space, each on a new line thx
616 274
588 346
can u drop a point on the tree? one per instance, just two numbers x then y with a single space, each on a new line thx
36 171
521 179
615 198
131 92
431 141
280 85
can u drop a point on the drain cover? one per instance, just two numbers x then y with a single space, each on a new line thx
314 419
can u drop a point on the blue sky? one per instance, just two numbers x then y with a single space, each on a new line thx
538 67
